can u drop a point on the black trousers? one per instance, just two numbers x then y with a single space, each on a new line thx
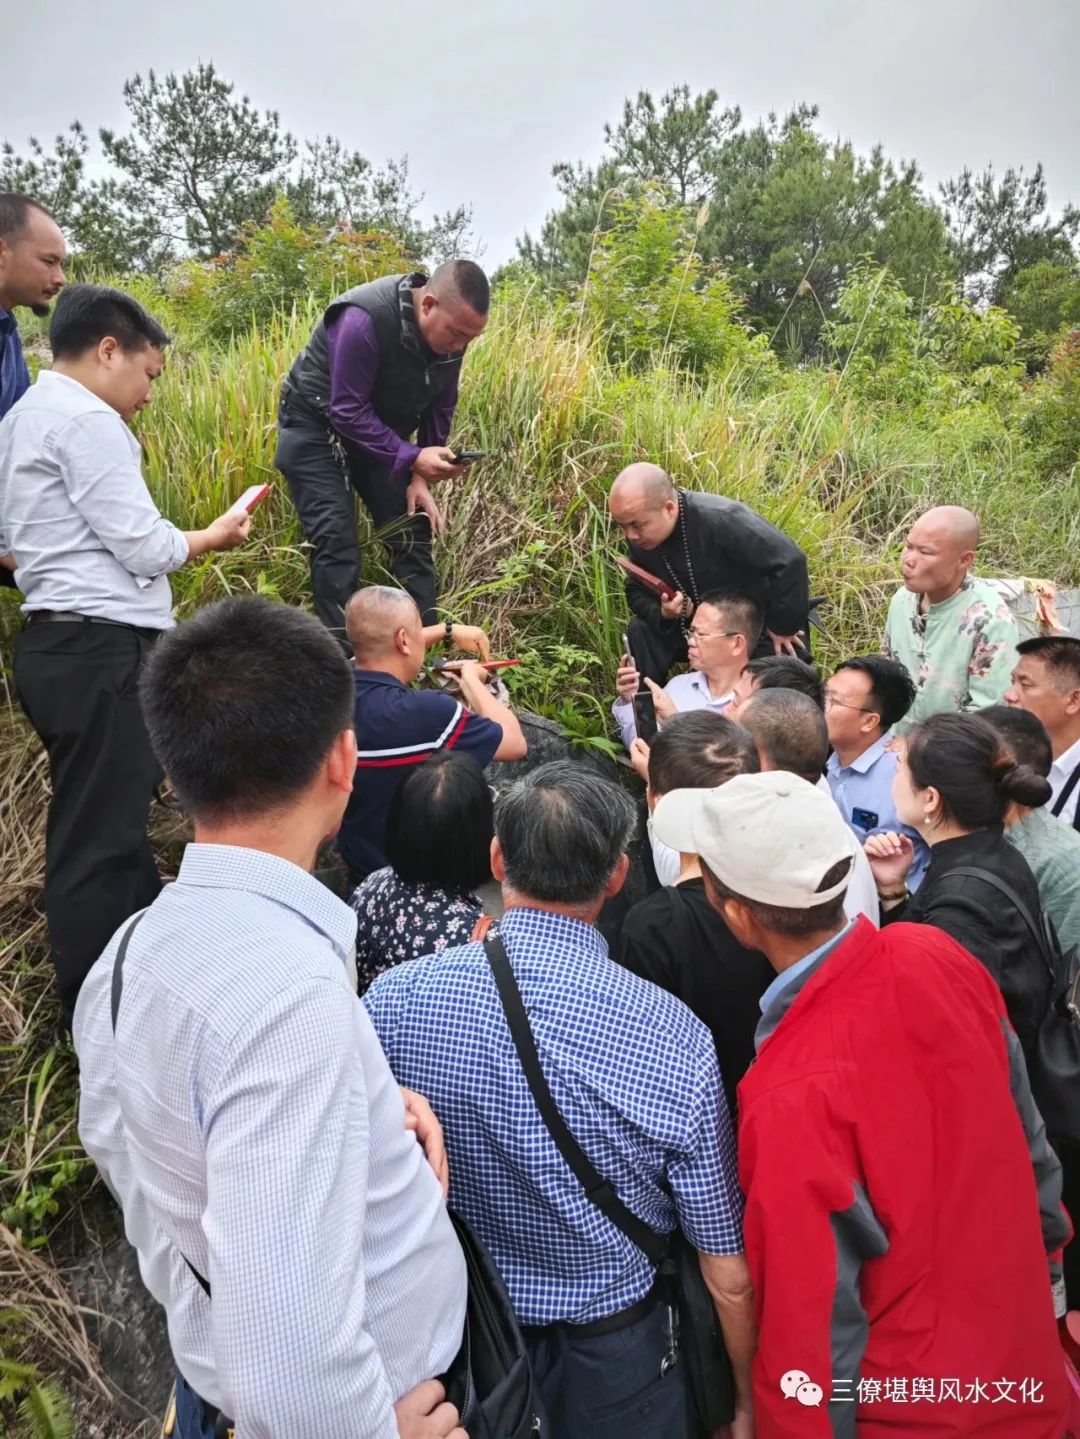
78 686
322 491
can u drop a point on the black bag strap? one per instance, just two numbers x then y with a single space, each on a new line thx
1063 798
1038 931
117 991
597 1189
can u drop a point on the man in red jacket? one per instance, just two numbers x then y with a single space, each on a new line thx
895 1168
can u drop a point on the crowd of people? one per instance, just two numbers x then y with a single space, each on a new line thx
825 1049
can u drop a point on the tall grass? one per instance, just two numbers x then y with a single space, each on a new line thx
526 553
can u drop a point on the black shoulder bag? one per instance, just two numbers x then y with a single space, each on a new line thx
710 1381
1054 1063
490 1381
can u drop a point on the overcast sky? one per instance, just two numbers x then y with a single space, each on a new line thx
485 96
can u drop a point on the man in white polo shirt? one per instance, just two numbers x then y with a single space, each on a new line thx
92 557
1046 682
720 640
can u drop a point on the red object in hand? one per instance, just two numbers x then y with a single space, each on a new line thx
484 664
252 496
653 583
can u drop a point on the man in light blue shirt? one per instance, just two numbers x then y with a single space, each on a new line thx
864 699
634 1076
233 1093
720 640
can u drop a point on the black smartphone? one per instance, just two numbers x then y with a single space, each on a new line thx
469 457
645 715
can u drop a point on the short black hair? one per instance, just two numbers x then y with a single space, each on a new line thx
892 690
85 314
242 703
440 823
562 830
1024 733
789 729
781 920
15 213
785 672
742 613
1060 654
973 769
699 749
469 281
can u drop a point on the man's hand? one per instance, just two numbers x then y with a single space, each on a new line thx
471 638
741 1427
627 680
424 1414
891 856
663 703
228 530
419 497
678 607
639 758
472 680
435 463
788 644
420 1119
8 562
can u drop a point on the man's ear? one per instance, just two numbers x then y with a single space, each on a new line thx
401 640
341 762
618 876
1072 704
740 920
498 864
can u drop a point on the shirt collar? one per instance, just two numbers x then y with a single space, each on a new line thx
253 871
7 320
699 682
380 677
1067 761
526 930
50 378
865 761
781 982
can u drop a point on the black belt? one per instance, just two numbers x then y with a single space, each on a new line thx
610 1324
69 617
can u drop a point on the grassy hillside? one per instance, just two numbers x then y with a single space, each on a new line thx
840 455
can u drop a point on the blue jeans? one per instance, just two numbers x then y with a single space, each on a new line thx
610 1387
189 1417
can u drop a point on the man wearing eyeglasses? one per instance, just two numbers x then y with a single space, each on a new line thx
720 640
864 699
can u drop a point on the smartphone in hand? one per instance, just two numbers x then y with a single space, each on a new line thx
468 457
252 496
645 715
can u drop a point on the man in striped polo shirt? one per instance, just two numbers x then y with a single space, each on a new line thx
397 726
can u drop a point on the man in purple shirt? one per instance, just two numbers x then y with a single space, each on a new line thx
381 366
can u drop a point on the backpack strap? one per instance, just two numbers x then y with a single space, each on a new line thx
1038 933
117 991
1063 798
597 1189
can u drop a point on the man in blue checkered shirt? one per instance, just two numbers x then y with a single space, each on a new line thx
634 1075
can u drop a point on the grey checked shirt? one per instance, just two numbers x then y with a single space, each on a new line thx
75 511
246 1118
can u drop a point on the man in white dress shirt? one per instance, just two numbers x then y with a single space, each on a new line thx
1046 682
92 557
233 1092
720 640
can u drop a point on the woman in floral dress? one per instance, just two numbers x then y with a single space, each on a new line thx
438 842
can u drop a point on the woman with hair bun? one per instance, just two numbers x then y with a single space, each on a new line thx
954 784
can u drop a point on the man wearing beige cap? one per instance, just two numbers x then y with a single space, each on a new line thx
888 1100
